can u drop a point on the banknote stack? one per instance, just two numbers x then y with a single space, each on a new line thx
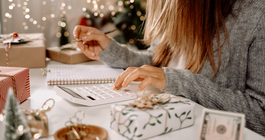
221 125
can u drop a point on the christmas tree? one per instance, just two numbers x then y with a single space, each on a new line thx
131 22
16 127
64 33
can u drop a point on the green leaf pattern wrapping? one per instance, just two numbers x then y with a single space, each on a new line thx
130 127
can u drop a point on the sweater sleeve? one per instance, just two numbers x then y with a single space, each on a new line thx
204 91
116 55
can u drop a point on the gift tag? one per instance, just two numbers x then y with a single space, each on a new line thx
16 40
221 125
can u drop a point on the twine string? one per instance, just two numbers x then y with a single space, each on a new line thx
9 45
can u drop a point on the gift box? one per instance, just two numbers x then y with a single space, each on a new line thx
134 123
68 56
18 79
31 54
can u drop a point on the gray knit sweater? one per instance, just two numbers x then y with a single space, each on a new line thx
239 86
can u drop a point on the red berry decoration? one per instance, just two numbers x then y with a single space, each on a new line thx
15 34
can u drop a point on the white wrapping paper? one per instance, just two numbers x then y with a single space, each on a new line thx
134 123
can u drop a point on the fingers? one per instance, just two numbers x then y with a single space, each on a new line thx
94 41
89 51
147 74
145 83
122 76
76 32
100 38
82 30
117 88
135 74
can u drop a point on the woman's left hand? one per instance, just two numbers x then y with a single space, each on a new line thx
147 74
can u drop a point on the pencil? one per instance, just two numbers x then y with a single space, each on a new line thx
78 40
110 31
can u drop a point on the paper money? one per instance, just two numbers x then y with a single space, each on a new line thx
221 125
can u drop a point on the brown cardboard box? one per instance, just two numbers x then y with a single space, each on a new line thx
66 56
31 54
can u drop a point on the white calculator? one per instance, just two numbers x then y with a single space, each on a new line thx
93 95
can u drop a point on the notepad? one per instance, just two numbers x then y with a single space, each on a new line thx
81 74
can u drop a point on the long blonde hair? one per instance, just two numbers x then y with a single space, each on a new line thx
186 26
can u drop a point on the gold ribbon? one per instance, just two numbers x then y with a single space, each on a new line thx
147 102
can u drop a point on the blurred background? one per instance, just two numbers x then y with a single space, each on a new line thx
57 18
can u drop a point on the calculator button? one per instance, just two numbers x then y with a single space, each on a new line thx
107 97
116 95
103 94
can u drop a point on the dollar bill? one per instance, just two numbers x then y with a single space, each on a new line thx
221 125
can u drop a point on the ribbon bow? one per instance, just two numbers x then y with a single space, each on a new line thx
148 101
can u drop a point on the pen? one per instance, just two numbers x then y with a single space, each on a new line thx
78 40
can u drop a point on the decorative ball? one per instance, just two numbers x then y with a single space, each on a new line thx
15 34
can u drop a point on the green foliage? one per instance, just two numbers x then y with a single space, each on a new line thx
15 118
131 18
63 39
182 120
37 118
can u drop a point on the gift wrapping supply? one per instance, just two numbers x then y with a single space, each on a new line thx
18 80
6 50
30 55
13 80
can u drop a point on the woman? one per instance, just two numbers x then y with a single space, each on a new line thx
210 51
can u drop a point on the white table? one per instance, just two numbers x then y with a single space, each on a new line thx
98 115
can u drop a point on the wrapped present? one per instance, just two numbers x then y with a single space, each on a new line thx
18 79
66 54
30 52
152 116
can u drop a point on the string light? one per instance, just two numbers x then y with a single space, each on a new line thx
133 27
131 6
131 41
58 34
1 117
37 136
64 6
10 7
111 8
20 128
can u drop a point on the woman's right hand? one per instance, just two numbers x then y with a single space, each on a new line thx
93 41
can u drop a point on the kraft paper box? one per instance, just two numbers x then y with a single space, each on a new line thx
31 54
66 56
16 78
134 123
